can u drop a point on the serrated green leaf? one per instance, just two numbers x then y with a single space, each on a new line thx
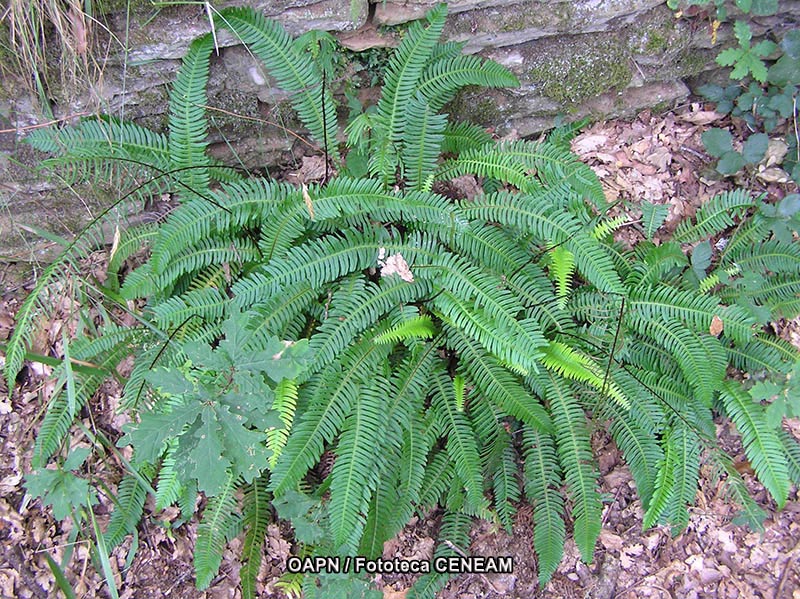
730 163
755 147
208 462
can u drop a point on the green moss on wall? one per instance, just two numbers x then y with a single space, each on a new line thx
587 67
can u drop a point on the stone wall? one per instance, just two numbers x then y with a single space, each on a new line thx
573 57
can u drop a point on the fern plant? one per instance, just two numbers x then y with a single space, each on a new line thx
445 343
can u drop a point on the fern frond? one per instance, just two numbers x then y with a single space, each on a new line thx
496 383
405 68
445 76
422 140
562 265
187 119
285 403
488 162
334 396
419 327
353 477
220 515
169 486
461 444
294 71
501 467
575 454
542 479
128 509
532 214
715 215
685 475
256 517
761 443
460 137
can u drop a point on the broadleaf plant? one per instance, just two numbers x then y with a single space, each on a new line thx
431 344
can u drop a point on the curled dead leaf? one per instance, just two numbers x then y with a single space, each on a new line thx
717 326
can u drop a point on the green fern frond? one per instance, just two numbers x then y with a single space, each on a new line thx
460 137
488 162
219 517
496 383
187 119
294 71
685 475
461 443
761 443
422 140
575 454
405 69
501 466
334 395
353 477
169 486
445 76
256 518
715 215
128 509
542 479
534 215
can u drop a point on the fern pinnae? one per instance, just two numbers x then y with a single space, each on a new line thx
575 456
422 139
128 509
169 487
218 518
294 71
761 443
542 479
686 475
256 517
285 403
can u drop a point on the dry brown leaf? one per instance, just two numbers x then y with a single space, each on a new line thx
307 200
700 117
390 593
717 326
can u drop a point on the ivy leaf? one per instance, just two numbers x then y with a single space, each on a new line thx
764 8
653 216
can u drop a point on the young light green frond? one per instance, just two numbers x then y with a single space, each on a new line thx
405 68
577 463
562 267
128 508
187 119
294 71
256 517
496 383
422 140
761 443
462 446
357 457
460 137
715 215
551 225
444 77
220 515
606 227
419 327
542 480
571 364
285 403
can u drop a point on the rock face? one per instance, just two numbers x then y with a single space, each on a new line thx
573 58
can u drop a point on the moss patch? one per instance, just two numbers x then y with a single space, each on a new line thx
588 66
476 105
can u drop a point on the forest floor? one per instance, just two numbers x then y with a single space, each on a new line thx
658 158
